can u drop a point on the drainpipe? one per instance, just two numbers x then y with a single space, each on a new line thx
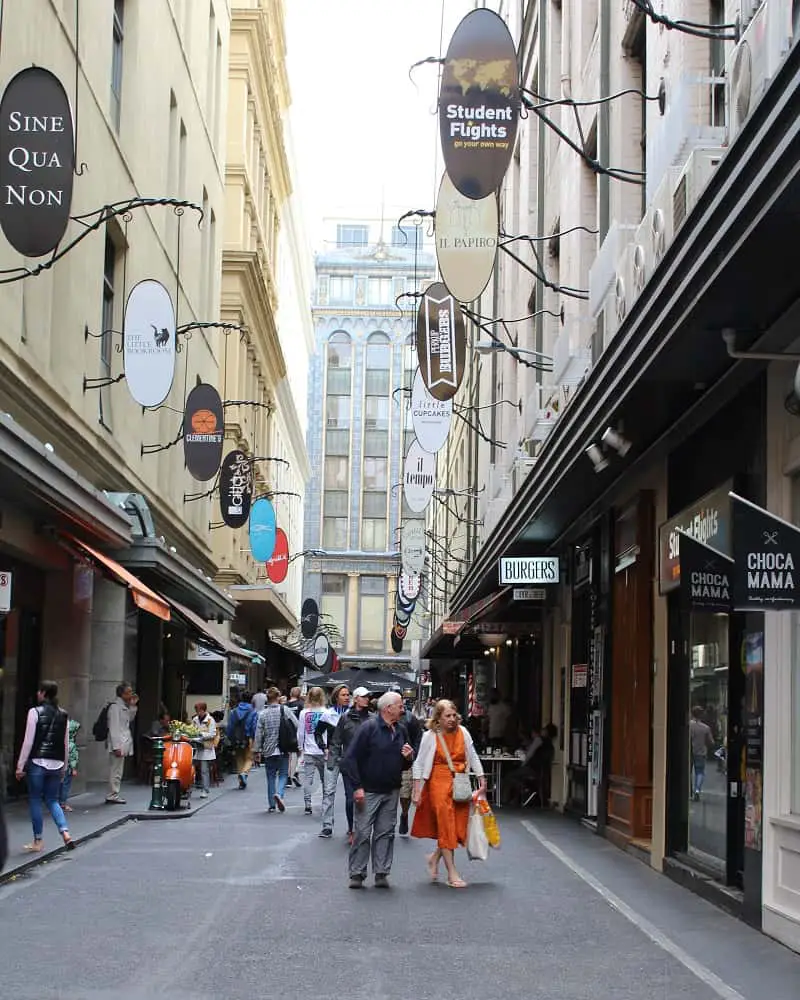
604 117
540 185
566 49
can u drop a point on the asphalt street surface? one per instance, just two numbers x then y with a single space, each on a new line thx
234 903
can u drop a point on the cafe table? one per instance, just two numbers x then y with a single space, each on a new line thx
493 766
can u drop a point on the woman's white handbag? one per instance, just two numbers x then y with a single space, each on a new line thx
477 842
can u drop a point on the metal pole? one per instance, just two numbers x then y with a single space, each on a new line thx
157 798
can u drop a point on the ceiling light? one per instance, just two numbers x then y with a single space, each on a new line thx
492 638
596 457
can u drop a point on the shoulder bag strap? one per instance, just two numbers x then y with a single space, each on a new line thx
446 752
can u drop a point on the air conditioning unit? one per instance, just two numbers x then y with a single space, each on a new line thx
520 471
692 182
641 257
756 58
622 291
659 218
332 422
371 423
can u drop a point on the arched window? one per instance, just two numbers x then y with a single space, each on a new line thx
338 409
377 380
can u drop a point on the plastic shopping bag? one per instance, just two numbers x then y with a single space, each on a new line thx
477 843
489 822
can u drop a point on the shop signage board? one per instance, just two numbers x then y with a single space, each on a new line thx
203 428
766 571
402 617
529 594
479 103
529 569
412 546
6 581
37 157
441 341
263 530
235 488
396 641
148 338
467 235
452 628
419 477
430 417
322 650
708 520
580 674
705 577
278 565
309 618
235 678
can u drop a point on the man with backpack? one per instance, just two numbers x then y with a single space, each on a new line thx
276 738
120 714
241 730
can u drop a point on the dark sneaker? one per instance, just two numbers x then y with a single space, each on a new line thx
308 810
381 881
326 832
403 831
279 803
296 782
271 809
356 881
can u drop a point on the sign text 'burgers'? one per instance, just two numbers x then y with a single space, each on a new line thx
441 341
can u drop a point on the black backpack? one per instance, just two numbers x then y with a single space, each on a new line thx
287 735
100 727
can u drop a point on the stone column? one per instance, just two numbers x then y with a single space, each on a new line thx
353 610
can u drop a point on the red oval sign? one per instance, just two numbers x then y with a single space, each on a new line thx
278 565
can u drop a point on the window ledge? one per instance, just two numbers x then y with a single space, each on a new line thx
787 822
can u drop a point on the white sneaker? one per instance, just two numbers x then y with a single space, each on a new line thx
204 795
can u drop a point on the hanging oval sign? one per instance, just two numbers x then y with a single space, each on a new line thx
467 234
322 650
148 334
203 429
479 103
263 530
405 606
409 585
397 642
412 546
278 565
309 618
419 476
400 630
37 156
441 341
402 617
235 488
430 417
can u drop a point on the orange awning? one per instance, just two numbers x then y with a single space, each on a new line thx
143 596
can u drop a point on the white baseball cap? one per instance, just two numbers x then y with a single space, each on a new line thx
361 692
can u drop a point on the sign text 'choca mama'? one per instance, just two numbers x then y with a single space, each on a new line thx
37 154
529 569
441 341
705 576
766 572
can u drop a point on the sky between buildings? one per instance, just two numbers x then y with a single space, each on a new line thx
366 137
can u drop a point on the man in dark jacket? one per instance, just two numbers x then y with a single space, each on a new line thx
241 731
374 763
340 742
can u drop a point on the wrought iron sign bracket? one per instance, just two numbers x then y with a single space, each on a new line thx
729 337
153 449
101 383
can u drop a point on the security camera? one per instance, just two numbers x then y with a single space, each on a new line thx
596 457
613 439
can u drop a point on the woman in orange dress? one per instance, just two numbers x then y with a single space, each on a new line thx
438 817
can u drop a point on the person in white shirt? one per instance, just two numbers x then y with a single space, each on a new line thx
119 742
312 754
205 754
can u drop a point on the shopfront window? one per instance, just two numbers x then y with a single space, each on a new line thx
708 736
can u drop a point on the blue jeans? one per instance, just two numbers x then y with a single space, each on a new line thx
66 786
277 768
44 784
349 788
699 763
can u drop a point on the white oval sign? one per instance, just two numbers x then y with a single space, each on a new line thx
419 477
322 650
149 343
430 417
409 586
412 547
466 240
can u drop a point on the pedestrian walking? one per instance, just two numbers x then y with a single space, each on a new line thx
446 749
121 713
43 758
260 700
241 730
701 741
414 729
374 762
71 770
326 727
207 752
272 750
312 752
296 704
340 741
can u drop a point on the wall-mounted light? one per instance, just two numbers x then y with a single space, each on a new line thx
613 439
596 457
509 642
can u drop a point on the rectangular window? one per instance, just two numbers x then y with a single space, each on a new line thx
376 475
377 412
341 288
338 381
335 503
372 614
107 331
379 291
337 473
351 236
337 442
376 382
376 443
407 236
373 534
333 603
334 533
116 61
182 162
337 411
373 504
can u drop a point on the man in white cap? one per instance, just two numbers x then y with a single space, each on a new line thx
342 738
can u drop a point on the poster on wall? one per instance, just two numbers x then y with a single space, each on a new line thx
37 157
705 576
203 429
441 341
148 342
466 240
753 657
766 550
479 103
430 417
235 488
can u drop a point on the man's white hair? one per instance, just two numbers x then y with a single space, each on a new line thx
387 699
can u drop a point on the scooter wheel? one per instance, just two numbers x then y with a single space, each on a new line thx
173 798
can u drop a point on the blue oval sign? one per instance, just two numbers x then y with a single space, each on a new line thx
263 529
37 153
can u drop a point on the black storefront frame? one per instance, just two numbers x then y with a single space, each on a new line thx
729 449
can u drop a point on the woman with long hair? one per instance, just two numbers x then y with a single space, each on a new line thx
446 748
311 753
43 759
340 703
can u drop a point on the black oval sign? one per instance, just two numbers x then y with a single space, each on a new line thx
479 103
309 618
203 431
441 341
235 488
37 154
397 642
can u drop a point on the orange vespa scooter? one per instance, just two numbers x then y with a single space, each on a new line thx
177 770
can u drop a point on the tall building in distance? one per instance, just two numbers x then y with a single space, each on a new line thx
359 430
